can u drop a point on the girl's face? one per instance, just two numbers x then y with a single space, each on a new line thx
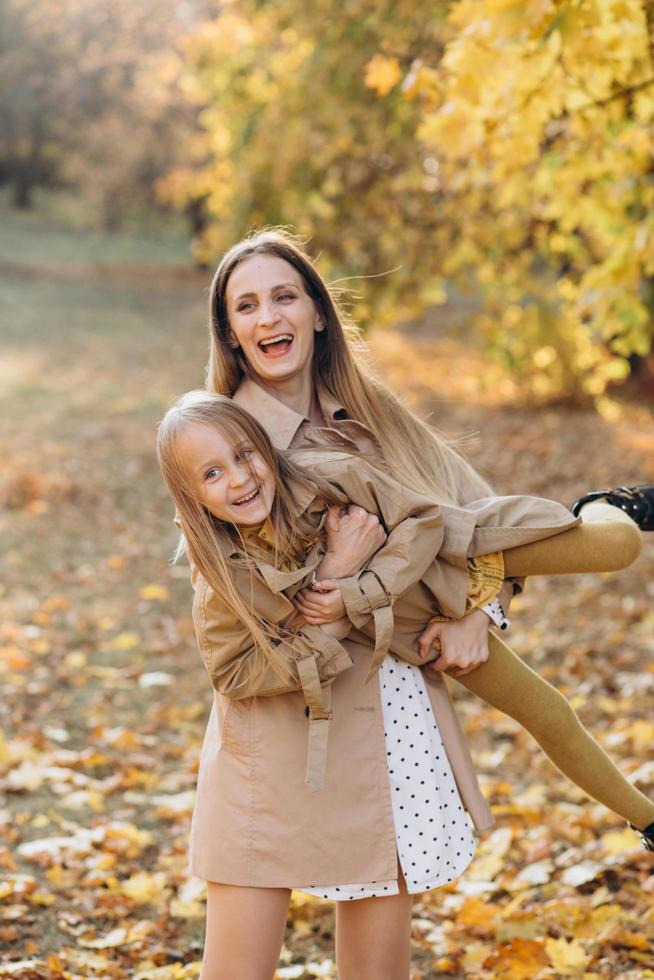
272 318
232 482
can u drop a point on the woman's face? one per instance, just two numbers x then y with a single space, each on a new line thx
232 481
272 318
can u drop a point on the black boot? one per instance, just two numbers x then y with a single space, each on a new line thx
646 836
637 502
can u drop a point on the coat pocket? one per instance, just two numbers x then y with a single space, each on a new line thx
236 726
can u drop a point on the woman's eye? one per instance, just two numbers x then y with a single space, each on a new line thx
244 307
286 296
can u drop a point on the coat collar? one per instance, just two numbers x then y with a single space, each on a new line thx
281 422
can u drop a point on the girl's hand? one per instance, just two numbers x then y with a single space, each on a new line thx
339 629
463 642
352 540
323 603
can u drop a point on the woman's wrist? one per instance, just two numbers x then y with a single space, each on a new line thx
334 567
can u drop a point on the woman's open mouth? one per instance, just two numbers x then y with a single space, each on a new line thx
276 346
247 498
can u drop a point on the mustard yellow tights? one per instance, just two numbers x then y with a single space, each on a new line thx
606 540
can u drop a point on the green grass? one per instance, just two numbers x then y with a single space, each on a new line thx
42 238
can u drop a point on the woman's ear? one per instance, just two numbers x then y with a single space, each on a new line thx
232 341
320 324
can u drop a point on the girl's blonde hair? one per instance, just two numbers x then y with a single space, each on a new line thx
418 456
203 534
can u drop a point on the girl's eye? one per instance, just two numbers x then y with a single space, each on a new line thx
245 453
212 473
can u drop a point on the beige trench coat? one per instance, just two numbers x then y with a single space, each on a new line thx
256 821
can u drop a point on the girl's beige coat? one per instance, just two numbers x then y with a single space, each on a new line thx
256 821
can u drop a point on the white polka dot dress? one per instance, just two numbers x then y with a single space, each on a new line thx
435 842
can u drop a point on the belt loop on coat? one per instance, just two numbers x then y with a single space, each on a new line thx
318 699
383 620
379 602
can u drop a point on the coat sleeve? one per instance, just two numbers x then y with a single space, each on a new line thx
414 525
238 669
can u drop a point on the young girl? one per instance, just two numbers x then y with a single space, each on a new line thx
271 523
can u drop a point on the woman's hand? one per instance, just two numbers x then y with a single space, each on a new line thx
352 539
463 642
321 603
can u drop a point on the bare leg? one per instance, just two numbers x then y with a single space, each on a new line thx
245 932
373 936
607 540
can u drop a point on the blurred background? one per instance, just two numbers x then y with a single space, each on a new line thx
478 179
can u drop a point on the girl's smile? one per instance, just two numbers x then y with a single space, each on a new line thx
232 481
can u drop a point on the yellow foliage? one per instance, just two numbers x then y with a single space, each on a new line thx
382 74
518 159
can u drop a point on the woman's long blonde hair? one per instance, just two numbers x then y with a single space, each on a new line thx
203 534
418 456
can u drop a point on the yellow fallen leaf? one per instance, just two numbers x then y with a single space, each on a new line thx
75 659
444 964
474 957
641 732
154 592
187 910
485 868
520 959
632 940
114 938
125 641
569 959
618 842
477 915
521 925
145 888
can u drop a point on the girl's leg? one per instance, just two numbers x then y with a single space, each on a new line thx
245 932
373 936
606 541
509 685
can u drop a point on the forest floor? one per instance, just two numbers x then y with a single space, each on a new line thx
106 699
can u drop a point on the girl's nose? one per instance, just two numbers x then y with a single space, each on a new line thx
239 475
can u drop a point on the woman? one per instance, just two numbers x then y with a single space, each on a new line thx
279 349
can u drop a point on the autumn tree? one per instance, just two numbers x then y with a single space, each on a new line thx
539 117
91 98
292 135
503 148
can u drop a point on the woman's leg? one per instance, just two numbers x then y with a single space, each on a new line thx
245 932
509 685
606 541
373 936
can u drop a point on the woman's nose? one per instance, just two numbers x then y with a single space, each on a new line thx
268 315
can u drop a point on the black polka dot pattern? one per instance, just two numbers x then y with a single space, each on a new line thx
435 842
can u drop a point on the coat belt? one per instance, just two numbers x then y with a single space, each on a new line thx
318 700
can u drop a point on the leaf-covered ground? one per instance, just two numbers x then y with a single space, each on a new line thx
105 697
